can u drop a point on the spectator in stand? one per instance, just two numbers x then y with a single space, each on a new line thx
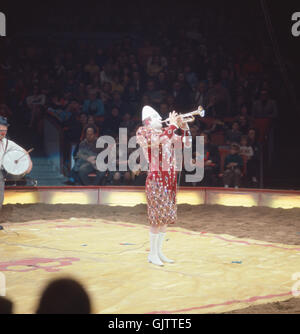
73 126
127 122
153 94
243 124
36 103
137 82
247 152
200 96
217 126
222 101
121 177
4 111
131 97
92 68
234 135
190 77
106 74
64 296
252 66
119 103
112 122
254 161
211 162
145 52
85 163
116 84
164 110
162 81
106 94
100 58
93 105
233 167
181 97
58 109
265 107
90 122
154 67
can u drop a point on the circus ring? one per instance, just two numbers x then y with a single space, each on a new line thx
235 250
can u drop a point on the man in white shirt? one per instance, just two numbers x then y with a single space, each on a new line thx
6 145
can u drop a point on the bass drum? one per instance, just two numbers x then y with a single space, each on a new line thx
15 164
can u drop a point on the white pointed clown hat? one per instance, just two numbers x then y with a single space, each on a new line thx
149 112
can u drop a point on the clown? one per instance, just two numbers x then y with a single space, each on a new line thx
158 146
5 146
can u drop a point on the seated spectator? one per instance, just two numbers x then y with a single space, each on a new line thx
93 105
116 84
86 159
58 109
132 97
128 123
252 66
154 67
222 102
211 162
92 68
137 81
265 107
217 126
5 111
6 306
118 102
100 58
181 96
106 74
190 77
200 97
106 94
121 177
90 121
153 94
162 81
243 124
254 161
164 110
234 135
64 296
111 124
36 106
245 149
233 167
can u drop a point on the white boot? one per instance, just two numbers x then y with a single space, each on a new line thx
153 255
160 253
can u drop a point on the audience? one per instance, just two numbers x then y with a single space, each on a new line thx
85 162
64 296
6 306
107 85
233 167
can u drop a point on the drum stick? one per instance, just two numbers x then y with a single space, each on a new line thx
27 152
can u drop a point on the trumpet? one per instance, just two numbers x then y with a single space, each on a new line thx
189 117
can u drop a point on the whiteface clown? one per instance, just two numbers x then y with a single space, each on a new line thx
159 147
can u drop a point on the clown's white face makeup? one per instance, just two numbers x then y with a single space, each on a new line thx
156 123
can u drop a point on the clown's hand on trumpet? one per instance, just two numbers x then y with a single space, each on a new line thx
183 119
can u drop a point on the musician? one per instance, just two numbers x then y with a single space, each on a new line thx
5 146
157 144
